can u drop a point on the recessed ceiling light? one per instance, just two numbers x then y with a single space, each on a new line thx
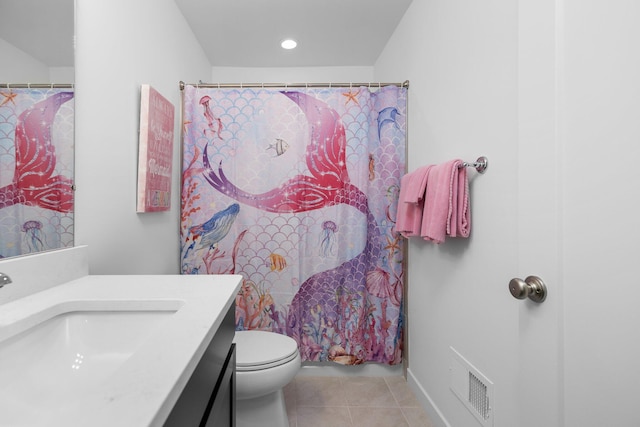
288 44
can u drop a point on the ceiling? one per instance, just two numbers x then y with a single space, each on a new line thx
42 29
247 33
238 33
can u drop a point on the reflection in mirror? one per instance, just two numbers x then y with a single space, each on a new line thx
36 125
36 170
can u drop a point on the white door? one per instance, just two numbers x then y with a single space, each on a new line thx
539 213
601 196
578 198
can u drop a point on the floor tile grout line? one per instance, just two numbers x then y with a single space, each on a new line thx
392 393
403 416
351 407
350 415
411 394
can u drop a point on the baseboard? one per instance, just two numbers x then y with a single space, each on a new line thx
432 410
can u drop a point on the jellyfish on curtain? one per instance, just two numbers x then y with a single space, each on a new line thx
328 238
33 235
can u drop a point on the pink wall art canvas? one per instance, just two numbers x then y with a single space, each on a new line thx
156 151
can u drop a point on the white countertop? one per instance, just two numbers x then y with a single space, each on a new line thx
144 389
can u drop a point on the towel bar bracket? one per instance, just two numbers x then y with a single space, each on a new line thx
481 164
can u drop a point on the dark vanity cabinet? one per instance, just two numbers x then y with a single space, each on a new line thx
209 397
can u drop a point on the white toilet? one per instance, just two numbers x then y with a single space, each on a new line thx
265 363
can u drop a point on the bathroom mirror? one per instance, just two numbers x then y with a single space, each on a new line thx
36 125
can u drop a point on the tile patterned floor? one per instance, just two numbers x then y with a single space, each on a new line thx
353 402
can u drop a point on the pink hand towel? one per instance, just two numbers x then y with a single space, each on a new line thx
460 217
410 202
417 185
446 204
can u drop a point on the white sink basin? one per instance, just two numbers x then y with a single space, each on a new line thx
60 354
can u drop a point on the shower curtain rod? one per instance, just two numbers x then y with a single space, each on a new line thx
404 84
35 85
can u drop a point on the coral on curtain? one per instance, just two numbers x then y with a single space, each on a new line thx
36 170
296 190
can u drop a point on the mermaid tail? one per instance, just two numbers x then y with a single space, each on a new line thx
331 290
326 162
33 182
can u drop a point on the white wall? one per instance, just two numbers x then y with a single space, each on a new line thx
119 46
463 60
62 74
19 67
291 75
460 58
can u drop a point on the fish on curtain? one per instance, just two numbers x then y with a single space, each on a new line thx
296 190
36 173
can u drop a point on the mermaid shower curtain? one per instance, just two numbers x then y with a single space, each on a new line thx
296 190
36 170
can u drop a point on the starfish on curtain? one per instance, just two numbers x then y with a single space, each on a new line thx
351 96
8 97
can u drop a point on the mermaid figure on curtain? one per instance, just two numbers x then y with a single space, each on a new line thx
332 309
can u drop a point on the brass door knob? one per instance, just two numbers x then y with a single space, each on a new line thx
532 287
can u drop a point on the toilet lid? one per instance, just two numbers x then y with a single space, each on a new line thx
261 350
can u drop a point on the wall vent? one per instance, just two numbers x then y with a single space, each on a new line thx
473 389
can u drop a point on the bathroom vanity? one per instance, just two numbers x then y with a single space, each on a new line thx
209 397
117 350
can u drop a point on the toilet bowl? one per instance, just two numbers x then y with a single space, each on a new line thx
265 363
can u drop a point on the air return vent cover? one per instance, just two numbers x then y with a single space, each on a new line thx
473 389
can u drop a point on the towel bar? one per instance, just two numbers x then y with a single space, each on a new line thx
481 164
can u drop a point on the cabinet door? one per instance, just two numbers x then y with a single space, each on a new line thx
195 402
223 404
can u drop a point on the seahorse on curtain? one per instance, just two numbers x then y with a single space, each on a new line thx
332 313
